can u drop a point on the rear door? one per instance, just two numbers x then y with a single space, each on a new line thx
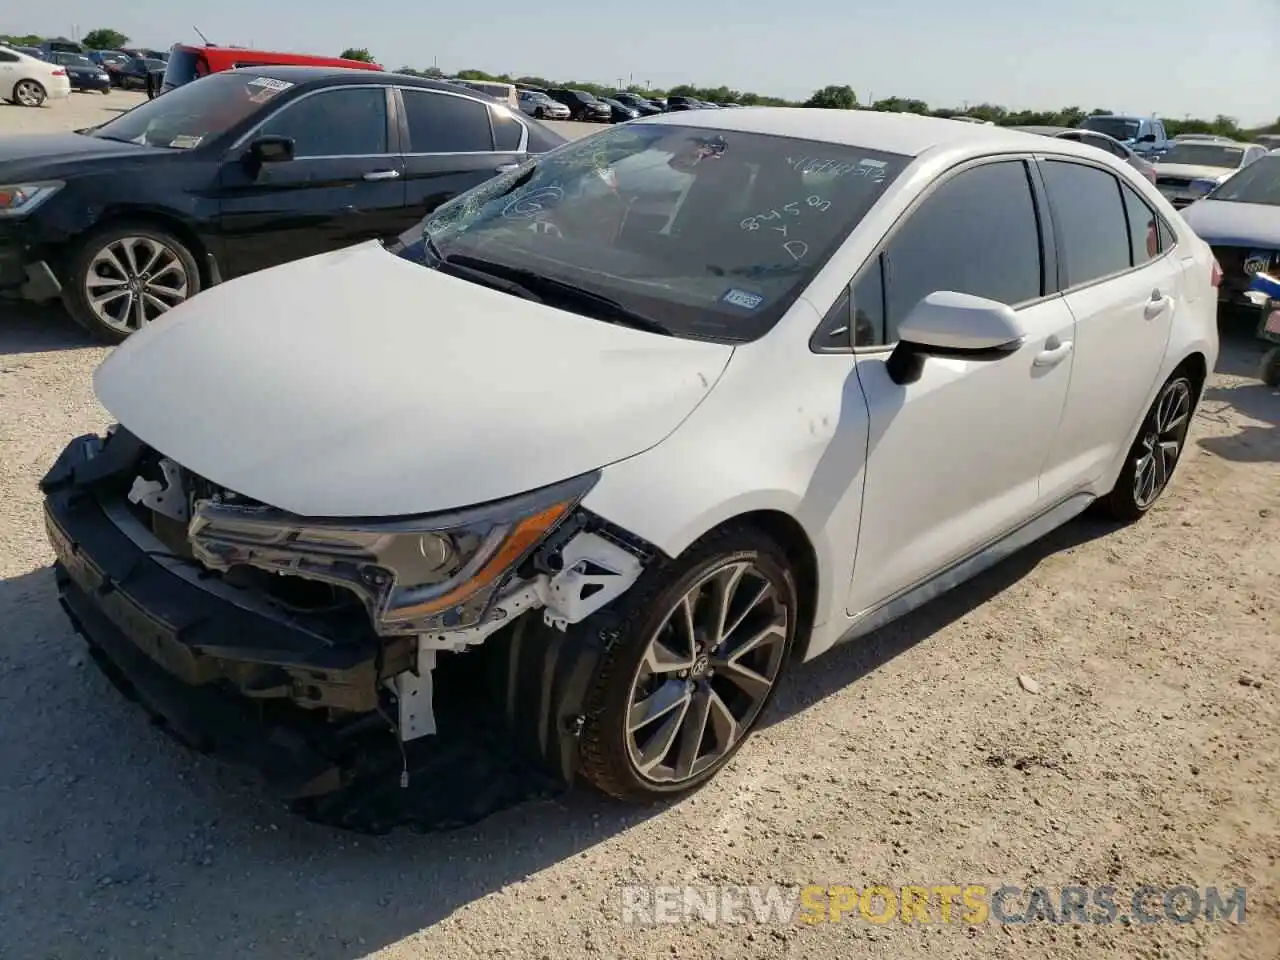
344 185
1121 283
452 142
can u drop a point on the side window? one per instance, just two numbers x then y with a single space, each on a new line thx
1159 131
1091 220
1144 227
989 209
7 57
443 123
345 122
1168 240
507 130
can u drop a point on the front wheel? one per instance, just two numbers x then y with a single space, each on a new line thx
29 93
125 277
694 665
1155 452
1269 370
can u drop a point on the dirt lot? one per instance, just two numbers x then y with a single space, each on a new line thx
1150 754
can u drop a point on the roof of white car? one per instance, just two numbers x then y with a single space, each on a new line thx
902 133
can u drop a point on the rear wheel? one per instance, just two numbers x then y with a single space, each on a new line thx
1269 370
28 93
692 669
1155 452
125 277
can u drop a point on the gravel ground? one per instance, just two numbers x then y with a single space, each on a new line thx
1148 755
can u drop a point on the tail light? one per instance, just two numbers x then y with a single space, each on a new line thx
1215 278
59 73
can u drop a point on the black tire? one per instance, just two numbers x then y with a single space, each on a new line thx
1129 500
605 750
1269 369
37 94
74 295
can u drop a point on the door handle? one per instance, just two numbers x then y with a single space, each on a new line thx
508 167
1052 355
382 175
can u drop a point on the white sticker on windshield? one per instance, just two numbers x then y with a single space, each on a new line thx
185 142
270 83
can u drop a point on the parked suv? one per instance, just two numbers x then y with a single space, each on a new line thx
1144 135
583 106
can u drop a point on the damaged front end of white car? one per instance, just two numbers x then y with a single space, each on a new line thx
291 644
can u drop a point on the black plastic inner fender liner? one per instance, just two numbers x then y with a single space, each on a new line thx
151 632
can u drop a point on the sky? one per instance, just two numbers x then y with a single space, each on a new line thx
1168 57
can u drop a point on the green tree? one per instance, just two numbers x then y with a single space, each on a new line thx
105 38
357 53
834 97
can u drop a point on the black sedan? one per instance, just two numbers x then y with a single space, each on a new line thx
133 75
619 112
238 171
645 108
83 73
583 106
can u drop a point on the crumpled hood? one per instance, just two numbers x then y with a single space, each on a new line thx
1234 224
1192 171
359 384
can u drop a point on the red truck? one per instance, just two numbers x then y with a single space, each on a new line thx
190 62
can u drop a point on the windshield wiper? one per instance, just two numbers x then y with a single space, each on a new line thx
480 274
600 306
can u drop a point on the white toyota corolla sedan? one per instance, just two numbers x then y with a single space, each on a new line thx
638 423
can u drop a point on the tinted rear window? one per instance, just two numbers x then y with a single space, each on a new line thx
182 68
1090 214
1117 127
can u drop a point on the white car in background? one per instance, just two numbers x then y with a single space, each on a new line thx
29 81
839 363
1194 167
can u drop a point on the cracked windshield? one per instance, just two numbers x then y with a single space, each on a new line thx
701 233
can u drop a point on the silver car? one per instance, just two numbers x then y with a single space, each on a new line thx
541 107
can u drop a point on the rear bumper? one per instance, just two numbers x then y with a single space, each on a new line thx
182 650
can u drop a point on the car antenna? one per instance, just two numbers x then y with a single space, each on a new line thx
207 43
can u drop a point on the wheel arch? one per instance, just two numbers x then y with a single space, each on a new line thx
117 217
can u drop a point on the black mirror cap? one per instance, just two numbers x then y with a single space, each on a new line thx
270 149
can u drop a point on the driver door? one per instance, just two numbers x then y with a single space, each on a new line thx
954 457
344 185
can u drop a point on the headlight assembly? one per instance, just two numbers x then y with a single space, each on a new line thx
19 199
414 575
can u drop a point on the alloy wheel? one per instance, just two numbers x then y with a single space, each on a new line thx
133 280
706 673
29 93
1161 443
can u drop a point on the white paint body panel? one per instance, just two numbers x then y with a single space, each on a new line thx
359 384
356 383
31 68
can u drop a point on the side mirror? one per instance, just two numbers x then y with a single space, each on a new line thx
950 324
270 149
